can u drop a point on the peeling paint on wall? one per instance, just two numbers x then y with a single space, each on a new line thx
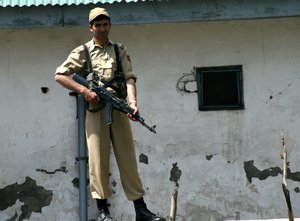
63 168
143 158
209 157
75 182
253 172
175 173
45 90
33 196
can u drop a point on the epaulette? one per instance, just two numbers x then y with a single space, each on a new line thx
121 46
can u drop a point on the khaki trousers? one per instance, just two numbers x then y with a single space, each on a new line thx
119 134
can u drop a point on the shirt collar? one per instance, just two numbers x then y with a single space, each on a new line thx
93 44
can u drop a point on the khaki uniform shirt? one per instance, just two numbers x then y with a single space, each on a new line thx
103 62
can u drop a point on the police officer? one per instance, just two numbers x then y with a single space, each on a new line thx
100 135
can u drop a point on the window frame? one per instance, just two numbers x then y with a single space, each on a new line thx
200 71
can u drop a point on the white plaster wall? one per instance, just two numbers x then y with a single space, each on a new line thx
40 130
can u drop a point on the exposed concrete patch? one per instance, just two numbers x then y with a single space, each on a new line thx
34 198
253 172
208 157
175 173
75 182
143 158
63 168
44 90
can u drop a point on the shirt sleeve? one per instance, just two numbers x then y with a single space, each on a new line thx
126 64
75 63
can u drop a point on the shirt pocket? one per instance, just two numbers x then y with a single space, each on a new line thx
107 69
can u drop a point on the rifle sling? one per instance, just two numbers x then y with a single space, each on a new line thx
88 58
119 75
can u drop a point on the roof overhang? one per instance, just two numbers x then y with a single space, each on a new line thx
141 12
28 3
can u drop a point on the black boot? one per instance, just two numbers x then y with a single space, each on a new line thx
142 212
103 210
104 215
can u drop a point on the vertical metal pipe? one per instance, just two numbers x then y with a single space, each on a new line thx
82 158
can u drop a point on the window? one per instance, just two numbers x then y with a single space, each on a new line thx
220 88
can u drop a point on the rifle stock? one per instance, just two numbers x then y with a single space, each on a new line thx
111 101
81 80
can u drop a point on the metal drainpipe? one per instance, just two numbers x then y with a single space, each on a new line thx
82 158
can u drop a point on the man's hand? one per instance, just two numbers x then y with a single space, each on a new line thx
70 84
131 93
90 96
133 105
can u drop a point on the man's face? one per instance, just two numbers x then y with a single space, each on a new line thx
101 29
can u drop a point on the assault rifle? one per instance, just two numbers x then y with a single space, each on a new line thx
111 101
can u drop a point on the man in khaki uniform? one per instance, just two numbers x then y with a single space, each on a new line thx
100 135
